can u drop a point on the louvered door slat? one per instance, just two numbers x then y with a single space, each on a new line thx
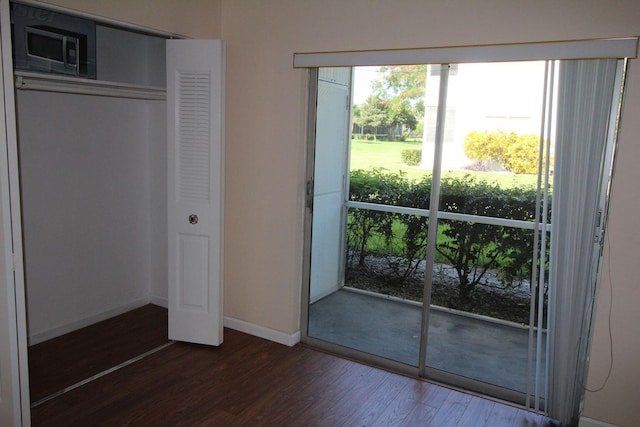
193 136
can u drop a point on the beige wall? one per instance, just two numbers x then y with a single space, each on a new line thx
266 144
266 101
617 402
193 18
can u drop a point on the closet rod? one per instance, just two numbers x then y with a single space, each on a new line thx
89 87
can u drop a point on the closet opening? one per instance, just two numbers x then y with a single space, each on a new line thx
92 168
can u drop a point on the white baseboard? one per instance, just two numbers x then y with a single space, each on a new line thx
162 302
246 327
229 322
77 324
262 332
588 422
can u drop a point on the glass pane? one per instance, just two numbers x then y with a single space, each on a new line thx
375 305
378 311
491 138
480 312
378 307
481 295
386 139
480 303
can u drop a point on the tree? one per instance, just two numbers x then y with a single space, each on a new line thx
373 115
401 115
406 82
403 87
356 117
399 94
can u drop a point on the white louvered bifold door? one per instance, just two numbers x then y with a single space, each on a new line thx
195 119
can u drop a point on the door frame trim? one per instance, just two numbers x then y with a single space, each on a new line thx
312 96
10 206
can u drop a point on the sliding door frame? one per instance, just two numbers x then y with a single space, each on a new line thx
312 96
605 48
434 215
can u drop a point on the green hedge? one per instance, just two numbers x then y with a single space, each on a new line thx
411 156
471 248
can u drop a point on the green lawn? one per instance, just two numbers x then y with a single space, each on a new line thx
386 154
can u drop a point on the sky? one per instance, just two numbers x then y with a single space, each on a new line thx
363 76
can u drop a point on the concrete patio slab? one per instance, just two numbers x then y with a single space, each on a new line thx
488 351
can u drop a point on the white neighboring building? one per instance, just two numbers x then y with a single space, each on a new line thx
482 97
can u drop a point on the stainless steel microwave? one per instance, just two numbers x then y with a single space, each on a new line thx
52 42
53 50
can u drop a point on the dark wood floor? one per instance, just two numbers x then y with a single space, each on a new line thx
61 362
251 381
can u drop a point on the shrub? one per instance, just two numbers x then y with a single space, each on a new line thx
471 248
517 153
484 146
413 241
521 156
375 186
411 156
474 248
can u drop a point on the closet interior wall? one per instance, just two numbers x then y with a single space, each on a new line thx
93 177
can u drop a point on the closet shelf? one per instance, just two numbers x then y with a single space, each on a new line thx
63 84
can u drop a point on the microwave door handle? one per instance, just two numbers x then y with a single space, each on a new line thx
64 50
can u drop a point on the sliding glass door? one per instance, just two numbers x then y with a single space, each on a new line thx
353 247
492 221
434 248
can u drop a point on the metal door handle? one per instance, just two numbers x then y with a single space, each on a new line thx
193 219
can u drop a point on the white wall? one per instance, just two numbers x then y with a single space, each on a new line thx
85 179
157 137
108 161
192 18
